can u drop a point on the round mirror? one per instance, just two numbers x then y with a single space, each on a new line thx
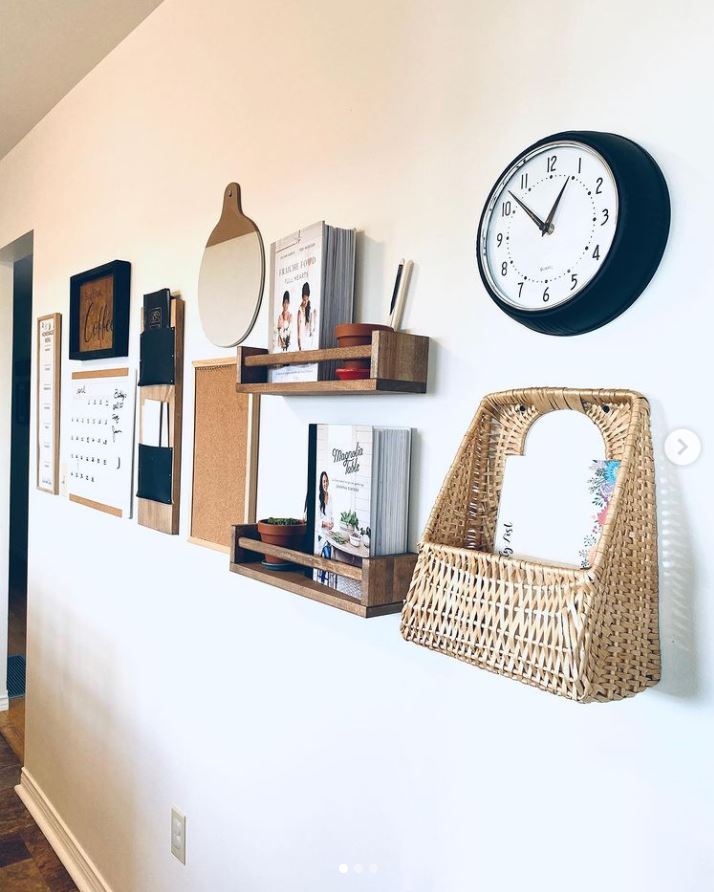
230 283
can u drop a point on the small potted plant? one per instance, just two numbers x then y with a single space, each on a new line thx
288 532
348 522
366 537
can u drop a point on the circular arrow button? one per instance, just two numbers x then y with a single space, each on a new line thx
682 446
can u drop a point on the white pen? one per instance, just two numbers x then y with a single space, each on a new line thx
396 317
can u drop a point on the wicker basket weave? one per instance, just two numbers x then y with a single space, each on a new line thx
584 634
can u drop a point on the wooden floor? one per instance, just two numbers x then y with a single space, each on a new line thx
27 862
17 623
12 728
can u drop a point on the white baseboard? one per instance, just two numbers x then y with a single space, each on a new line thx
76 861
4 702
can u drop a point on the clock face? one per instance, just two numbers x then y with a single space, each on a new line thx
549 225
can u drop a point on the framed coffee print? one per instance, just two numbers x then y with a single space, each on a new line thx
99 311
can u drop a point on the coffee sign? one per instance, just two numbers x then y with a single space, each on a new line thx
96 314
99 311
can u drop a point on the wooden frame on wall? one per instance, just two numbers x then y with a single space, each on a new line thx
99 311
49 365
99 445
225 454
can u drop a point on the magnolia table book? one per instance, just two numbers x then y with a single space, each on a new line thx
358 495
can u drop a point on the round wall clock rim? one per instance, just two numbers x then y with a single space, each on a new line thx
608 295
519 161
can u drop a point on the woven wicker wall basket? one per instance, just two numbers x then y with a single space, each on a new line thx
586 634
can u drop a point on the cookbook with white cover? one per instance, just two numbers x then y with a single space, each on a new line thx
358 495
555 498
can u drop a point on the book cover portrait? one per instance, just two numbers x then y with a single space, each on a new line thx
343 493
296 296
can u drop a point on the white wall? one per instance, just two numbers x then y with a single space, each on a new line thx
294 737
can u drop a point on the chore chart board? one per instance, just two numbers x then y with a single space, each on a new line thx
101 440
49 343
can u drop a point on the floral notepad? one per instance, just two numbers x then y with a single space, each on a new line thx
554 512
601 486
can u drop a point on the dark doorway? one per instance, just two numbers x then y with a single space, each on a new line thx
20 454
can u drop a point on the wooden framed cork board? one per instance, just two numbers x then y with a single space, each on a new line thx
225 454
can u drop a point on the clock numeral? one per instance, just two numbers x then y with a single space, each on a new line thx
504 268
596 252
524 181
552 161
499 239
574 280
580 165
546 295
598 187
520 288
606 216
506 209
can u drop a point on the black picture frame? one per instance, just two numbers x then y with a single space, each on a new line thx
120 272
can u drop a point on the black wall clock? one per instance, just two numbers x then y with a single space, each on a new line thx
573 231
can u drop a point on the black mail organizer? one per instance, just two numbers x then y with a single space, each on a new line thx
155 473
158 356
160 381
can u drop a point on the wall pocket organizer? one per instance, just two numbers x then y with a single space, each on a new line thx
586 634
160 412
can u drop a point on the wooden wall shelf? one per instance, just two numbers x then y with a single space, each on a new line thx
398 364
385 580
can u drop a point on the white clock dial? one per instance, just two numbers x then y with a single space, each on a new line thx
549 225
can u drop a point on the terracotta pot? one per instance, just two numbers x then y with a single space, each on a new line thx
286 535
356 334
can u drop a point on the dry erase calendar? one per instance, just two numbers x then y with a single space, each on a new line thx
101 440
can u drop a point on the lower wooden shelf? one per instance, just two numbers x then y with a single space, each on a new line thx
384 580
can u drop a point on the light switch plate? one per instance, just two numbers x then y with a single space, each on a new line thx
178 835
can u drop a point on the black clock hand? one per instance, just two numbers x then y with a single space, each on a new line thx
538 222
548 225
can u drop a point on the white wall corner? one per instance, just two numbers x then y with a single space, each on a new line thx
76 861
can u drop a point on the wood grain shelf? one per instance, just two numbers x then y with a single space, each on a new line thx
385 580
398 364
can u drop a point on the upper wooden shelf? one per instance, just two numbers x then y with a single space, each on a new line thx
398 364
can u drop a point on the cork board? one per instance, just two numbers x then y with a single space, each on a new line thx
225 454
